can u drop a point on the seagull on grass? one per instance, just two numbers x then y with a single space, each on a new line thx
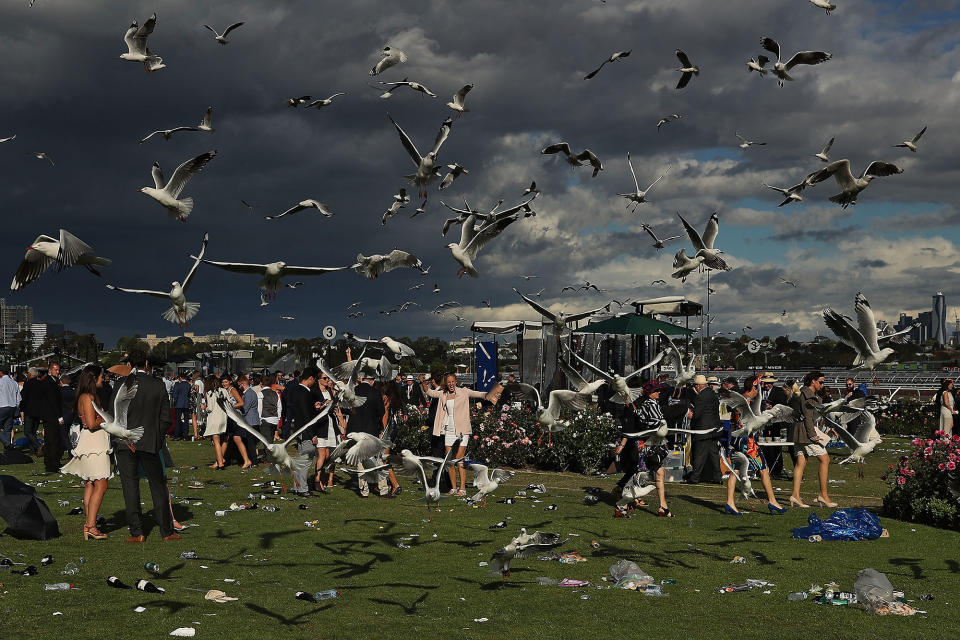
523 546
912 144
46 252
167 194
222 37
781 69
309 203
638 197
182 311
850 187
487 481
613 58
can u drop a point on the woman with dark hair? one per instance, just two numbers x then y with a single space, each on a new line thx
91 461
326 438
215 424
809 441
947 406
233 430
452 420
392 403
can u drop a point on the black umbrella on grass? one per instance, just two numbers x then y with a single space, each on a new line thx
27 516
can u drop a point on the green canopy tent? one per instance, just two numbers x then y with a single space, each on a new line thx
639 327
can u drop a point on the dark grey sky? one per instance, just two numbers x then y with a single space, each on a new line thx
894 70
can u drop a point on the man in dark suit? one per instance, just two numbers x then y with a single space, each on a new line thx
150 409
42 406
180 395
410 393
776 395
300 407
368 418
705 414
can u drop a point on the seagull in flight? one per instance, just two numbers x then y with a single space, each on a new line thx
687 69
373 265
746 144
8 139
684 265
549 416
301 206
415 86
263 299
667 118
824 4
398 349
613 58
753 417
325 102
205 125
46 251
792 194
455 172
427 169
638 197
574 160
559 320
136 41
222 37
296 102
42 155
781 69
704 245
271 272
457 103
863 338
850 187
655 283
682 373
789 282
523 546
529 278
293 285
531 189
181 311
472 240
390 57
486 481
758 64
659 243
912 144
623 393
167 194
823 153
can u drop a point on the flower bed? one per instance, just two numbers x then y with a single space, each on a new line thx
509 439
908 416
919 483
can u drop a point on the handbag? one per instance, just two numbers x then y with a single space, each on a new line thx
822 437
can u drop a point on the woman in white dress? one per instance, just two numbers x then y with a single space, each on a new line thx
91 457
947 408
452 421
216 423
326 440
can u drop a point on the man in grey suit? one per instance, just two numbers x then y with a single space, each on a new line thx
150 409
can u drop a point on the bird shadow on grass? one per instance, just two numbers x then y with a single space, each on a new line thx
762 558
697 552
226 559
741 539
221 535
346 547
344 569
953 566
411 610
287 622
173 606
700 502
911 563
374 520
168 574
497 584
662 561
267 539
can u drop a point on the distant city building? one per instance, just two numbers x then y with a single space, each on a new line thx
40 331
13 320
938 326
227 335
918 334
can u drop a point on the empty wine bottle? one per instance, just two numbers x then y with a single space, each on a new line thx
149 587
116 583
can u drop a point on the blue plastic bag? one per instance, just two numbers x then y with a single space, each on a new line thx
843 524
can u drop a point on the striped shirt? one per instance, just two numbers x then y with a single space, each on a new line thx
648 414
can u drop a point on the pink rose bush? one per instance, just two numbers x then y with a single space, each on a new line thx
919 483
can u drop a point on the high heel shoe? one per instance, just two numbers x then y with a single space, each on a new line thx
794 502
776 510
730 511
821 501
93 532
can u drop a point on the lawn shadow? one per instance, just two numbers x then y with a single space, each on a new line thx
762 558
411 610
952 566
912 563
168 574
174 606
226 536
267 539
700 502
287 622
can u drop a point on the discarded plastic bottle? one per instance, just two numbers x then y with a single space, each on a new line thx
116 583
653 590
798 595
45 560
60 586
152 567
327 594
70 569
303 595
189 555
543 580
221 512
63 503
149 587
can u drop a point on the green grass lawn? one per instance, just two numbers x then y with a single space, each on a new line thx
436 588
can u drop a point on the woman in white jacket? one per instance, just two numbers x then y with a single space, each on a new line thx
452 419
